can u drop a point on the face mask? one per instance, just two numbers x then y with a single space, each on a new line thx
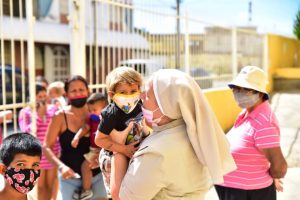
78 102
148 115
246 100
126 102
22 180
95 118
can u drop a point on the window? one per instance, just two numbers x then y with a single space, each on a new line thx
17 6
61 63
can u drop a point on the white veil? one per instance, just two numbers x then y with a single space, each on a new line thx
179 96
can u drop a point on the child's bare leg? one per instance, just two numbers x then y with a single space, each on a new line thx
119 164
87 175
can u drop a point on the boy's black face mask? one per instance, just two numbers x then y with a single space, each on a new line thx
22 180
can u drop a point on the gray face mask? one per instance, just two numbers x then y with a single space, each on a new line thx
245 99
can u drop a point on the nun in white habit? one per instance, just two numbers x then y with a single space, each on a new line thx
187 151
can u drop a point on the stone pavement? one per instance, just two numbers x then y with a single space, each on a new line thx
286 106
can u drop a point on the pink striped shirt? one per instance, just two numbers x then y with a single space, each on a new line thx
42 125
250 133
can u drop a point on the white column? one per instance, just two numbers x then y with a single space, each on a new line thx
187 45
265 53
77 40
30 57
234 52
49 63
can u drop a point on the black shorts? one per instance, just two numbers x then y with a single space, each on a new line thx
227 193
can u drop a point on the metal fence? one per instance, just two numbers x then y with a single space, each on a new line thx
148 39
17 59
114 33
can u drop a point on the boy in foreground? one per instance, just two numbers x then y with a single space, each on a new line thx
20 156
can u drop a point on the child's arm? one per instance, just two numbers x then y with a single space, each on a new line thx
106 142
120 136
82 132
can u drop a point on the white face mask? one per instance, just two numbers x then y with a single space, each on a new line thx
148 115
127 102
246 100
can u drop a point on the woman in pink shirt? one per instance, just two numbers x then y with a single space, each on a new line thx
48 182
254 142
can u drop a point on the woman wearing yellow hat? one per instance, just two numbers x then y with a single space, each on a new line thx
254 142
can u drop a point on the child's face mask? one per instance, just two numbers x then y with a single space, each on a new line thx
126 102
22 180
95 118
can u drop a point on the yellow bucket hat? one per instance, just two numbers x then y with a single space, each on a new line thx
251 77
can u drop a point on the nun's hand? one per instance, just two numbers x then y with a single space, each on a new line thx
131 148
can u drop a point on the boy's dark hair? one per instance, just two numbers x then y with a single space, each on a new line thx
95 97
19 143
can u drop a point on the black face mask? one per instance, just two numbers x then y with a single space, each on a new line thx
78 102
23 180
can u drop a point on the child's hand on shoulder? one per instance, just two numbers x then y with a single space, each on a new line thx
75 142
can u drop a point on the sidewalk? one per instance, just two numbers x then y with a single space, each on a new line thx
287 109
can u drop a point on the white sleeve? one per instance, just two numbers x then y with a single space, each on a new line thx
144 177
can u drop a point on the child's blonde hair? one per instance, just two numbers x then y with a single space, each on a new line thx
58 87
123 75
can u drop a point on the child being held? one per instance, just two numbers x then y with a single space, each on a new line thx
20 156
123 87
96 102
55 92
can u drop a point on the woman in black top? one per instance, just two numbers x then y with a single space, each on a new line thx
64 126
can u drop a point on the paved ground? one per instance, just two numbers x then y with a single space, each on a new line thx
287 109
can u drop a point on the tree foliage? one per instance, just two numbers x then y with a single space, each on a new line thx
297 25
